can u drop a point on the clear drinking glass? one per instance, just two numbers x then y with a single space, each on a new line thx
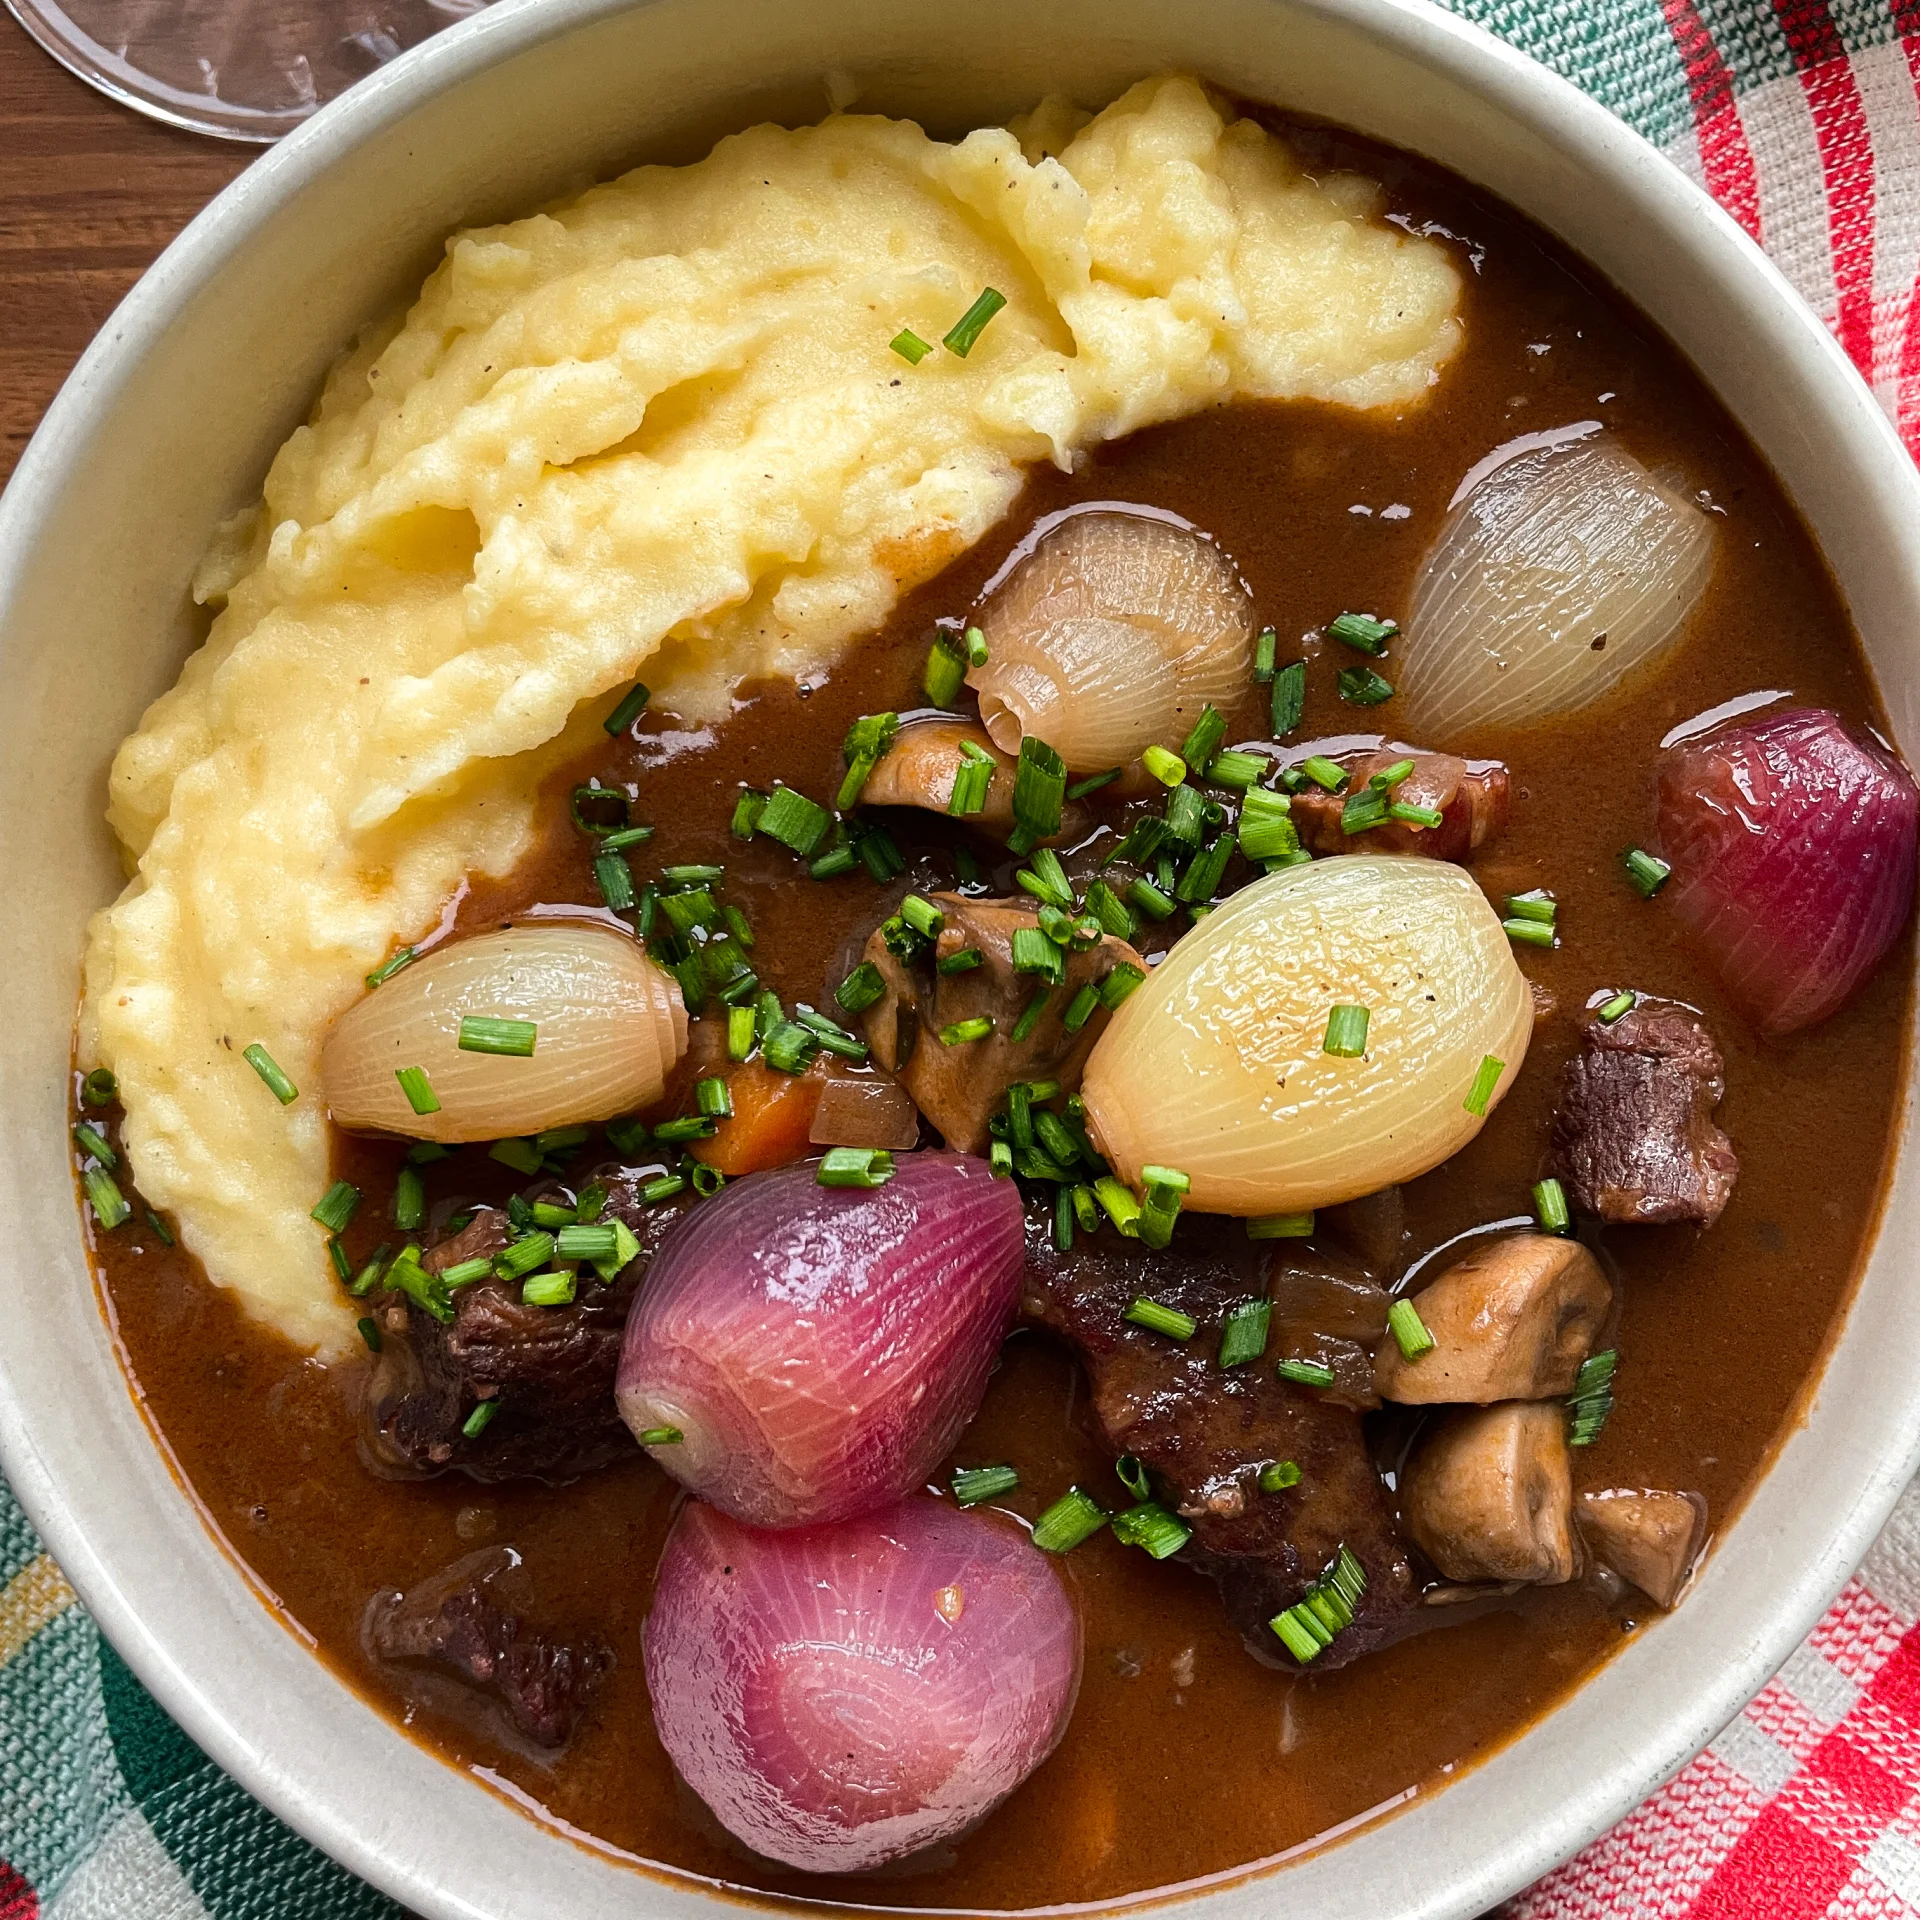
238 69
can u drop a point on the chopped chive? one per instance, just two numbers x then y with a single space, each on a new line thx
423 1153
521 1155
1289 699
1280 1226
878 854
1409 1330
1390 777
1362 687
1415 816
477 1422
262 1062
1266 830
464 1273
1305 1373
480 1033
1324 772
707 1181
1000 1160
692 1126
368 1277
922 916
1646 872
909 346
626 837
526 1255
1168 768
869 740
549 1290
1236 769
109 1204
628 1136
1550 1206
1244 1335
396 963
1363 810
632 704
962 959
795 821
946 670
1209 731
336 1207
161 1231
614 878
409 1200
698 873
711 1095
1030 1016
1619 1005
740 1027
1046 879
1039 787
661 1436
1110 910
1093 783
1119 1205
1278 1475
1150 900
1119 983
1528 933
1346 1032
1327 1607
663 1188
1033 952
1080 1009
1536 904
960 337
585 1243
964 1032
1484 1081
1133 1476
92 1140
1266 650
1168 1320
99 1088
972 780
790 1047
548 1213
831 1035
1063 1220
861 988
1151 1526
1591 1400
599 810
693 909
1202 879
976 645
370 1333
746 813
971 1485
1362 632
1074 1517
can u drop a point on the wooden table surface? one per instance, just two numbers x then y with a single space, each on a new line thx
90 192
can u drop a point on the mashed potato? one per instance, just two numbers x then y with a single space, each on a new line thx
655 431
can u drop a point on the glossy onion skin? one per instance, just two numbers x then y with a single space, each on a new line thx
1792 842
1110 637
843 1695
1216 1066
821 1349
611 1025
1556 549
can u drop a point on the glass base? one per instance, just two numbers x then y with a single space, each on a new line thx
237 69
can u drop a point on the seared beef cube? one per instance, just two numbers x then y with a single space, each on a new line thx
1204 1433
1471 799
457 1622
550 1369
960 1087
1635 1137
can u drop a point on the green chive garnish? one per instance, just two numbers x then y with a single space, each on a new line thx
1362 687
1120 982
1244 1335
337 1206
1305 1373
1362 632
946 669
1168 768
1646 872
1528 933
477 1422
1406 1326
960 337
1209 732
418 1089
409 1200
1074 1517
1151 1526
1550 1207
1150 900
1236 769
1266 830
1168 1320
99 1088
1039 786
1346 1032
1266 649
480 1033
1280 1226
549 1290
1619 1005
1415 816
92 1140
632 704
388 968
370 1333
1484 1082
909 346
1030 1018
1324 772
861 988
971 1485
856 1167
1278 1475
262 1062
1289 698
1093 783
661 1437
1327 1607
109 1204
1536 904
964 1032
795 821
1591 1400
521 1155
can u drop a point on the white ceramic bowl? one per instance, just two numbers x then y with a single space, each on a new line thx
167 425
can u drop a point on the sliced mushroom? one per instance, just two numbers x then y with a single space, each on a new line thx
959 1087
1647 1536
1489 1496
919 770
1512 1321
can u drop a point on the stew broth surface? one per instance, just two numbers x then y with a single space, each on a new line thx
1184 1758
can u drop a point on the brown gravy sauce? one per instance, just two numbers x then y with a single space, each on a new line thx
1184 1759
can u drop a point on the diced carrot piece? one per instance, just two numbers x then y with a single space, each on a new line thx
772 1119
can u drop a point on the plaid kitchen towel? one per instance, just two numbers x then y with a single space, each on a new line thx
1803 118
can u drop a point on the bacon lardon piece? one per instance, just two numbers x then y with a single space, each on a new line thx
1471 798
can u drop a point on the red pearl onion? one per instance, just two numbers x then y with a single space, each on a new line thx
842 1695
820 1349
1792 842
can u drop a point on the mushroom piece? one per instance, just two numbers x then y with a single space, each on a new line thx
1647 1536
865 1110
1489 1496
918 770
959 1085
1512 1321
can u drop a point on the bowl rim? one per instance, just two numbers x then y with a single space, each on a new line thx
1630 169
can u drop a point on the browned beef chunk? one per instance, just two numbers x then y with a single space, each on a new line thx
1634 1135
1203 1434
458 1622
551 1369
960 1087
1471 799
